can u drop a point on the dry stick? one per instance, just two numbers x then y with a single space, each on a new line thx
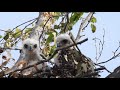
103 67
43 29
117 49
115 56
82 24
67 17
102 43
109 59
76 46
23 23
3 30
11 48
96 50
42 61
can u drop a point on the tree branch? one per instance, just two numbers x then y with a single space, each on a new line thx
113 57
82 27
34 34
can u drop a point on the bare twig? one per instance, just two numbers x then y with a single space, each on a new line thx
115 56
96 50
23 23
43 29
11 48
82 27
67 17
74 43
102 43
103 67
62 20
102 46
3 30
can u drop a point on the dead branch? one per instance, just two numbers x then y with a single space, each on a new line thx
3 30
23 23
43 29
10 48
113 57
67 17
103 67
102 46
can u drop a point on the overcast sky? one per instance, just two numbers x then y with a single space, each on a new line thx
107 20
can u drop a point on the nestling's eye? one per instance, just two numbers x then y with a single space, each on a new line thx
65 41
35 46
25 46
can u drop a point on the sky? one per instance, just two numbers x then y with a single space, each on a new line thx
105 20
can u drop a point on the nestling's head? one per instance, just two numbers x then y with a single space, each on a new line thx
30 46
63 40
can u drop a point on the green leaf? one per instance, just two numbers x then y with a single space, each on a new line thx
6 36
52 49
75 17
56 17
93 20
93 27
50 38
0 36
69 27
63 24
17 33
56 27
28 30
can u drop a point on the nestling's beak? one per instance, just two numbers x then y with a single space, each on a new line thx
59 45
30 49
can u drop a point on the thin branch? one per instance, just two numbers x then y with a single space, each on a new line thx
11 48
82 27
102 43
74 43
43 29
110 59
96 50
23 23
62 20
114 56
67 17
103 67
102 46
3 30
